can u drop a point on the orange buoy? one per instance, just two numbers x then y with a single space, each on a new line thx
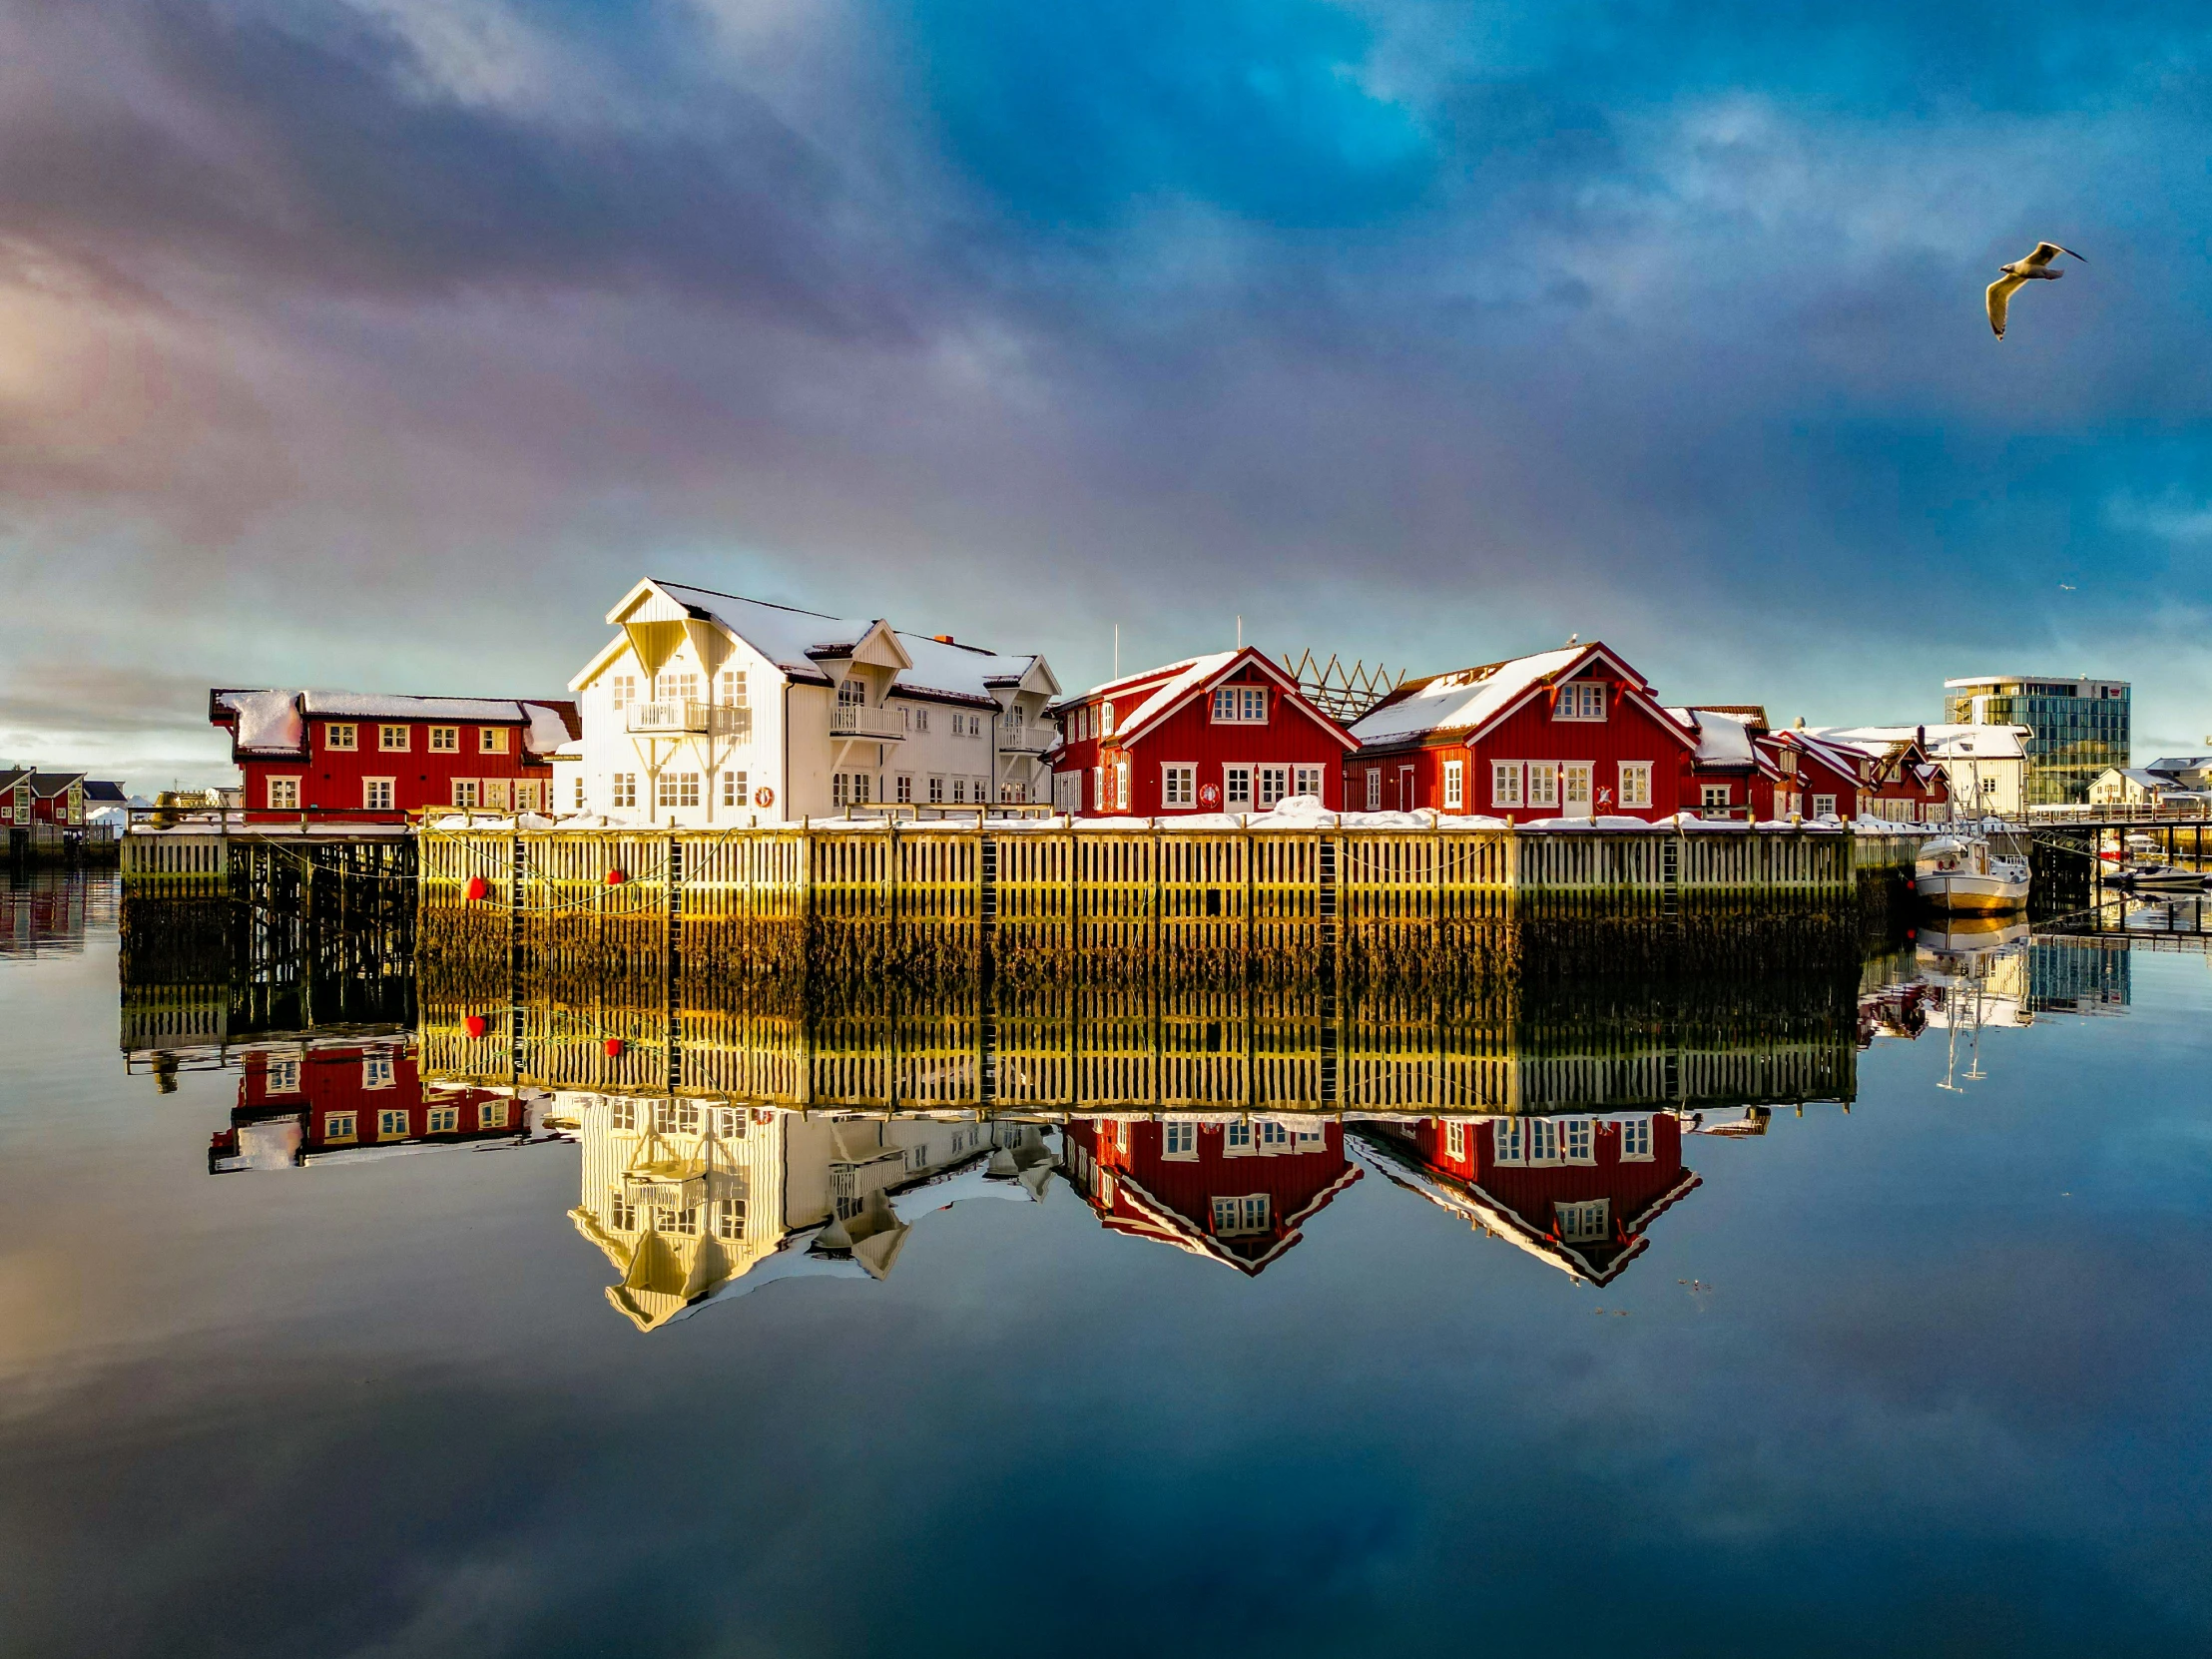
477 889
614 1048
616 877
475 1026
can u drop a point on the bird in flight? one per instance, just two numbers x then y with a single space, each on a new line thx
2018 275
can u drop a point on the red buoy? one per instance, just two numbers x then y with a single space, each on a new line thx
616 877
475 1026
477 889
614 1048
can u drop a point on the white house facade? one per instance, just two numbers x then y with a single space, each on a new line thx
708 710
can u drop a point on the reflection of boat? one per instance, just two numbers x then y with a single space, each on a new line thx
1959 872
1966 934
2148 878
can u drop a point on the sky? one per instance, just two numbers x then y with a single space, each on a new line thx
383 344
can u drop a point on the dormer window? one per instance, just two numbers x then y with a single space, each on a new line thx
1240 705
1580 700
851 695
1105 720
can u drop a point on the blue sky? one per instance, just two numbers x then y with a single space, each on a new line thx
383 343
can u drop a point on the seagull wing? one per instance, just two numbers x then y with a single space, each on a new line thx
2001 299
2045 252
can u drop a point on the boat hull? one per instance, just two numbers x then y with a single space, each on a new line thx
1966 893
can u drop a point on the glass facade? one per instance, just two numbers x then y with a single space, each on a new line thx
2079 727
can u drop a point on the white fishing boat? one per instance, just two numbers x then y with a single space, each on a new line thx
2156 878
1960 873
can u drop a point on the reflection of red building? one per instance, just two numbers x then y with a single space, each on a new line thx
1234 1191
1579 1192
349 1099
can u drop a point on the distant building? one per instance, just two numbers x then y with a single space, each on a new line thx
1986 764
708 709
338 1101
1900 779
371 758
1226 733
2169 781
2078 729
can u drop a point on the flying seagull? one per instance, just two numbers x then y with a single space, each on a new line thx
2035 268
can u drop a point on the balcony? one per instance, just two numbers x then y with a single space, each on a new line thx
679 718
857 720
1024 738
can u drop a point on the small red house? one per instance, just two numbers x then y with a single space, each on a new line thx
1579 1192
1573 733
1901 781
1818 779
1228 732
1730 775
373 757
1235 1192
300 1103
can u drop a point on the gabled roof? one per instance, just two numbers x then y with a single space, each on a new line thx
101 790
1943 741
1471 700
1157 1218
2179 762
1724 740
1164 690
10 775
54 782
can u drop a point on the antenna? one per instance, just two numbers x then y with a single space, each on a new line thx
1239 633
1117 651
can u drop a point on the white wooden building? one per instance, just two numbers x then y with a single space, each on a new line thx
711 710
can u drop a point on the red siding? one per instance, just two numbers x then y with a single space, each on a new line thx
336 780
1188 1186
336 1081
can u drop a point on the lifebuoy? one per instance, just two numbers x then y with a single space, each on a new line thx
1208 794
764 796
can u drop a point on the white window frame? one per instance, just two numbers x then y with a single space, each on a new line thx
386 736
1374 789
445 739
377 1071
393 1120
1236 787
1578 1140
1714 794
1243 1214
284 794
624 791
1509 1141
1543 784
1582 700
280 1075
1824 806
1310 781
341 1125
1456 1139
1455 786
904 789
342 736
1274 784
442 1120
491 1114
1635 1134
1179 1140
1543 1141
497 794
1583 1220
622 689
737 788
1635 783
1178 785
468 792
491 739
1240 706
936 790
375 788
1507 788
1571 774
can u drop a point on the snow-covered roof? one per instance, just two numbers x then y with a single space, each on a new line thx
1160 691
274 721
796 640
1944 742
2179 762
1723 740
1467 700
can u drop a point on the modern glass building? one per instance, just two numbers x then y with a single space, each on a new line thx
2078 727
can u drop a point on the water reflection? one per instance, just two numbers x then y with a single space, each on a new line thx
46 912
727 1145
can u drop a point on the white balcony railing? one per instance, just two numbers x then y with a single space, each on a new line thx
676 716
1024 738
857 720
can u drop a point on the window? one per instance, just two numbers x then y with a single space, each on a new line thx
840 789
904 789
1636 1140
1241 705
393 740
1543 1140
498 793
376 793
730 1219
376 1069
1543 783
937 791
624 687
1505 784
681 1223
1121 782
864 789
1236 789
1456 1140
1308 782
677 788
444 1120
1178 784
1275 783
466 793
1237 1137
1584 1222
676 688
1179 1140
1374 789
624 1114
341 736
626 788
1824 806
1274 1137
445 739
622 1215
733 687
391 1124
530 794
491 739
1105 720
918 1158
1455 783
283 793
1248 1214
735 790
1580 700
340 1126
1576 1140
1713 794
1635 783
491 1114
959 791
281 1077
1508 1142
921 719
1789 762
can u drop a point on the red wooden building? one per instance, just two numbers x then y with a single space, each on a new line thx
1579 1192
373 757
1236 1192
346 1099
1228 732
1573 733
1818 779
1899 780
1731 774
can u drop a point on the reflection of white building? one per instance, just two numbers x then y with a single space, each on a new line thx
707 709
691 1200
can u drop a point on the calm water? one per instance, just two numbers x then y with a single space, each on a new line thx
1923 1376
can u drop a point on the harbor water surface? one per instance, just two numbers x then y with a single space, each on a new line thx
1926 1376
